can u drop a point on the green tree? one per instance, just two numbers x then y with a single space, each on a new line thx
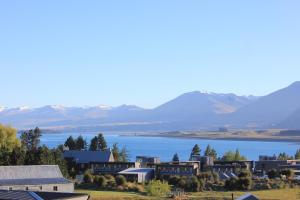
175 158
101 181
196 150
18 156
8 138
284 156
297 155
5 155
210 152
30 140
88 177
101 142
94 144
80 143
233 156
157 188
124 155
289 173
70 143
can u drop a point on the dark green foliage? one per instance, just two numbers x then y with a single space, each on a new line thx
30 140
193 185
94 144
173 180
88 177
210 152
101 142
101 181
17 156
120 180
243 182
175 158
272 174
115 151
70 142
124 155
196 150
284 156
5 156
80 143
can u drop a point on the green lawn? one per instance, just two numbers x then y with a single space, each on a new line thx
284 194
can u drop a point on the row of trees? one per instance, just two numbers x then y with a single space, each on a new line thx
27 150
97 143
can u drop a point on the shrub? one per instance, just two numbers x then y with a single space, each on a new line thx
193 185
87 177
157 188
288 173
120 180
100 181
173 180
272 174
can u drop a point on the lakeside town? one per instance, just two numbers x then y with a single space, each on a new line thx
77 167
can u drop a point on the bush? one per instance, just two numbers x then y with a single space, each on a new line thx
173 180
88 178
288 173
193 185
100 181
120 180
157 188
272 174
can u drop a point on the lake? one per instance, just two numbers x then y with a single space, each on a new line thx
165 148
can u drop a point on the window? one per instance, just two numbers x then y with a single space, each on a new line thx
27 188
10 188
41 187
55 188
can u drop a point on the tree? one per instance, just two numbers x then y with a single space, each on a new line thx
101 181
157 188
210 152
284 156
17 156
289 173
124 155
115 152
80 143
30 140
196 151
94 144
272 174
88 177
297 155
70 143
233 156
8 138
5 156
175 158
101 142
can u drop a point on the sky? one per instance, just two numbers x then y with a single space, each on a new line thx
143 52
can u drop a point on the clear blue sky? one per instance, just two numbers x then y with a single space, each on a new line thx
144 52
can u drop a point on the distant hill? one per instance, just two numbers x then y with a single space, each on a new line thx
270 110
189 111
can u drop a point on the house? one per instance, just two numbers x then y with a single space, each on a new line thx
34 178
144 160
188 168
232 166
111 167
263 166
140 175
30 195
82 159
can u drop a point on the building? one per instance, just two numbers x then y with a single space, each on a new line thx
111 167
189 168
232 166
247 197
144 160
29 195
139 175
34 178
263 166
82 159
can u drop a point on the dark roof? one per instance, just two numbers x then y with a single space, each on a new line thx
27 195
58 195
16 195
34 181
88 156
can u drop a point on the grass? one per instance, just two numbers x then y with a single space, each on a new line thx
285 194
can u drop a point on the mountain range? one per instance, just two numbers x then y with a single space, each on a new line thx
190 111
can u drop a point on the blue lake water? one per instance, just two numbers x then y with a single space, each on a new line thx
166 147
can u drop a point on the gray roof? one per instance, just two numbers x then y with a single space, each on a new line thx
30 172
88 156
16 195
31 175
248 197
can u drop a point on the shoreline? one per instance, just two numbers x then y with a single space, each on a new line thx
292 140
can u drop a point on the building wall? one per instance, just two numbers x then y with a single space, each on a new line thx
41 188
